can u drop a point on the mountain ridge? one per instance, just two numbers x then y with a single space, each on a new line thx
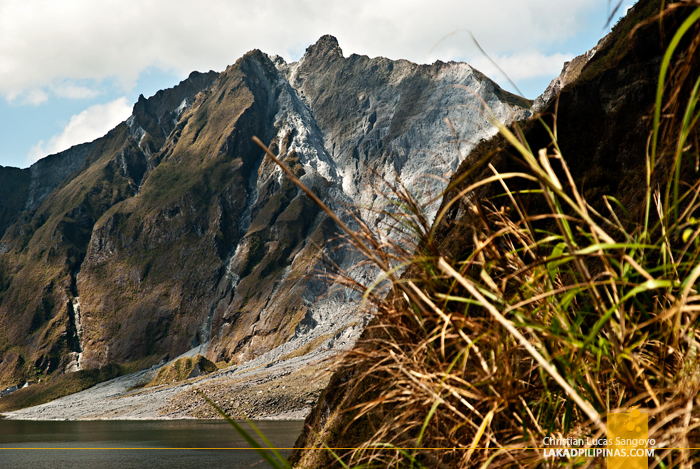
174 232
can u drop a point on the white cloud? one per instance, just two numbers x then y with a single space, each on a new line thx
60 88
34 97
90 124
44 41
528 64
36 152
70 90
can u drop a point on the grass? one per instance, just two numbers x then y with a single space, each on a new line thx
181 369
556 315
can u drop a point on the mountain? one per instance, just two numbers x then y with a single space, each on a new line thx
172 232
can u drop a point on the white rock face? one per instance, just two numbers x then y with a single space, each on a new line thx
354 121
75 358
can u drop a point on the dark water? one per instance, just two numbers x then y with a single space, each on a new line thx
135 444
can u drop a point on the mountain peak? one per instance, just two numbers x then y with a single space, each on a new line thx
326 47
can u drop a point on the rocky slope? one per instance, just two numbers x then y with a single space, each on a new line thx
281 391
172 232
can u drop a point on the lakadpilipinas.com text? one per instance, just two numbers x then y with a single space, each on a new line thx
601 448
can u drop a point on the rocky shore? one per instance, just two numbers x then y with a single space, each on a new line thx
279 390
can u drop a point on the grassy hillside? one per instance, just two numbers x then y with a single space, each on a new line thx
44 247
60 386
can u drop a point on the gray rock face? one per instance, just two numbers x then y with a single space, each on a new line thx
390 116
49 172
351 122
9 390
195 371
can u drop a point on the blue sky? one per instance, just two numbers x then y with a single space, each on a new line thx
71 70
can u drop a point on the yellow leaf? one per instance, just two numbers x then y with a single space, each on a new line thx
686 234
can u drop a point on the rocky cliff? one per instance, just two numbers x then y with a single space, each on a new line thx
173 232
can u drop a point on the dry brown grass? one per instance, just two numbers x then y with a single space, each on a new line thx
555 317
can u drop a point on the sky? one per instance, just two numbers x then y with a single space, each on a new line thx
72 70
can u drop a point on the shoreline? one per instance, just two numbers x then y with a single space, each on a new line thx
282 390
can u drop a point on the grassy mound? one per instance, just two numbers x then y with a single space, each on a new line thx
182 369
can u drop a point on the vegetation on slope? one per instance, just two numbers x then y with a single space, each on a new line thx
559 283
47 249
181 369
62 385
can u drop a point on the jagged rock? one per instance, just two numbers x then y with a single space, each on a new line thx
195 372
569 73
9 390
74 363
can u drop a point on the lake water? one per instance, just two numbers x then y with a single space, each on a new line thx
136 444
